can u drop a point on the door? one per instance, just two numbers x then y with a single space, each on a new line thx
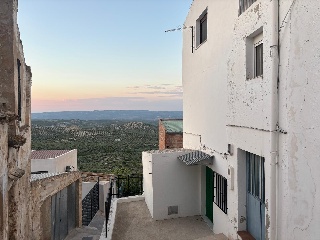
255 196
209 193
63 212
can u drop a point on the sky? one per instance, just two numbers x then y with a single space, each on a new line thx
103 54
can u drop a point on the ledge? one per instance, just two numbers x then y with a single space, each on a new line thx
244 235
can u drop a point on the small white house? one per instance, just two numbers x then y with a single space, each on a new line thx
251 103
53 161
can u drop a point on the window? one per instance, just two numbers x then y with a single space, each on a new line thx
220 191
258 59
256 177
19 88
254 54
244 5
201 28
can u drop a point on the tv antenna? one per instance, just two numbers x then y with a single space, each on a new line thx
179 28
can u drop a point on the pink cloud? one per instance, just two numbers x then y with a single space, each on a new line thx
109 103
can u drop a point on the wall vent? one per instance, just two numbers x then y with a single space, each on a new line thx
172 210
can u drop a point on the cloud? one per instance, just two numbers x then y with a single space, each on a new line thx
161 89
109 103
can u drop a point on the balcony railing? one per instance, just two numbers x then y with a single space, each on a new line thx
244 5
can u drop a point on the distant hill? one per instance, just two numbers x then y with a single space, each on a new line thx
126 115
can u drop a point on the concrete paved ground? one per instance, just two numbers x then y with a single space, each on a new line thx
91 232
133 222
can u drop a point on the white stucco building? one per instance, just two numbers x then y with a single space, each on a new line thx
251 101
54 161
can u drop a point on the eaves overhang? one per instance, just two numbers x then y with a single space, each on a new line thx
196 158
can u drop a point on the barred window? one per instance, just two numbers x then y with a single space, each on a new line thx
220 191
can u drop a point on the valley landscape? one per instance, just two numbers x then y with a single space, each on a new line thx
105 146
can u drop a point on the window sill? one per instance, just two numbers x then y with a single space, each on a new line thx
201 44
255 78
244 235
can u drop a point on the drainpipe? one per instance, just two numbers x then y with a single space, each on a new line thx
271 221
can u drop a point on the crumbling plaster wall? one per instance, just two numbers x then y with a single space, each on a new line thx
41 191
299 179
222 106
15 161
249 103
4 227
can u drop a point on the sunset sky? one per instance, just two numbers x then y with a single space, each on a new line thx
103 54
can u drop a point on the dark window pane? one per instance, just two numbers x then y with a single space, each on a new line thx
259 60
256 175
203 29
19 88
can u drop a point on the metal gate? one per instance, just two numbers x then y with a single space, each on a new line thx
90 205
129 185
255 196
63 212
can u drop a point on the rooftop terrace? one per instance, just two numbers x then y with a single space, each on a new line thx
133 222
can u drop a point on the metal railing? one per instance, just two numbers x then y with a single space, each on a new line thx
108 205
90 205
129 185
122 186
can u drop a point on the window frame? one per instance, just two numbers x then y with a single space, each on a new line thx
254 42
256 176
19 93
257 43
200 28
203 27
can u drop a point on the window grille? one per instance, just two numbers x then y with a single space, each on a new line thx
220 192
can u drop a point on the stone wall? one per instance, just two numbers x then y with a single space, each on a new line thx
162 136
169 140
174 140
42 190
94 177
15 136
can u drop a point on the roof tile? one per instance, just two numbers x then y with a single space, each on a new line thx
45 154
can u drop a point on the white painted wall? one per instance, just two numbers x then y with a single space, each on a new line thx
58 164
221 106
299 178
103 194
86 187
173 183
147 180
205 98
